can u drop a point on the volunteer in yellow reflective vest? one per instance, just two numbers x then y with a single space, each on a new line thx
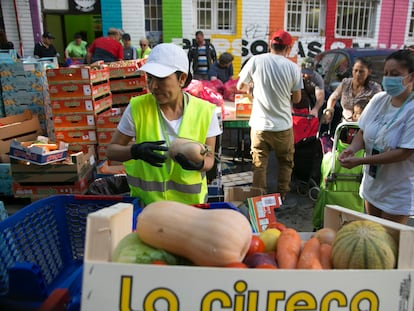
155 120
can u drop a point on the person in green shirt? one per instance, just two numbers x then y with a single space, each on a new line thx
144 50
76 50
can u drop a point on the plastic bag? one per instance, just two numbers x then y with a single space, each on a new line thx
230 89
201 89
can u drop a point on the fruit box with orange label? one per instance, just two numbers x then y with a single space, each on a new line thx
76 135
161 287
109 119
77 74
74 120
243 105
78 90
73 105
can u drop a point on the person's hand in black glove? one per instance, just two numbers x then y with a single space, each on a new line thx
188 164
148 152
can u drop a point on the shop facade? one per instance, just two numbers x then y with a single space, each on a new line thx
240 27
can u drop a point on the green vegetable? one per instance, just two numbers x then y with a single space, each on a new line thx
132 250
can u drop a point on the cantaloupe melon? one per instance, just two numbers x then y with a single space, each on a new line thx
364 244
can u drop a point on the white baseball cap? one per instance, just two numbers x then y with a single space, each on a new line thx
165 59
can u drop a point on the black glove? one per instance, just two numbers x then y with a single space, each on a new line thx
188 164
148 152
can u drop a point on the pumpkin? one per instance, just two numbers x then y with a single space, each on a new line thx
364 244
207 237
192 150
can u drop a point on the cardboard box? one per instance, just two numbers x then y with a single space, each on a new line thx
25 97
73 105
81 147
109 168
138 83
78 90
77 75
102 152
74 120
105 135
22 69
124 97
37 155
38 190
108 119
76 135
21 127
70 170
243 105
23 83
141 287
125 68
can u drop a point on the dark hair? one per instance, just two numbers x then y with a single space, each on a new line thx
187 81
404 57
225 58
126 36
77 36
199 32
367 63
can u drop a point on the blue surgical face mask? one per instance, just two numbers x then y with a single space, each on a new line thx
393 85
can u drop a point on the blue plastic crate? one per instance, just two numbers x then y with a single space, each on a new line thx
42 248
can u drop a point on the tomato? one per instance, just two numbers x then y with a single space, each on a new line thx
265 266
236 265
159 262
256 245
277 225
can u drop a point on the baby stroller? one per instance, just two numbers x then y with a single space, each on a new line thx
308 153
339 185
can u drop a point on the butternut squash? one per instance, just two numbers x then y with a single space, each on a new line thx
215 237
192 150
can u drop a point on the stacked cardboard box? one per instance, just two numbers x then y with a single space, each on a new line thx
78 96
126 81
24 87
71 176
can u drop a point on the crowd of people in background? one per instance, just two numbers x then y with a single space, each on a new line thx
385 113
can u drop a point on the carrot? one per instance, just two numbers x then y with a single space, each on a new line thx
310 256
288 249
326 250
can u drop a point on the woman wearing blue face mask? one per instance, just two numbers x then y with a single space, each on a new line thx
387 135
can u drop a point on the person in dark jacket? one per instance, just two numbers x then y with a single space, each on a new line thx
201 56
222 69
45 47
5 44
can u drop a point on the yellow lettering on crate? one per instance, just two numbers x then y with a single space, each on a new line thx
333 296
125 293
215 295
273 297
239 287
161 293
301 301
365 295
150 299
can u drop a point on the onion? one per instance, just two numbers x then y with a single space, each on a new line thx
325 235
